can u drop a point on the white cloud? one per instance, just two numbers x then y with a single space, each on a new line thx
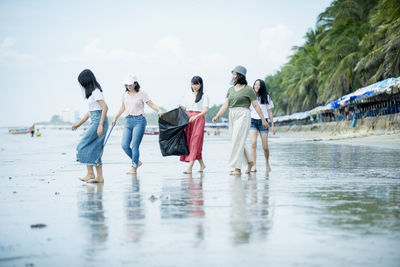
167 48
9 55
164 68
275 45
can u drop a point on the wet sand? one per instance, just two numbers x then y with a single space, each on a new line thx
325 203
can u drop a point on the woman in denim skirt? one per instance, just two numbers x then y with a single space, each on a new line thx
132 107
266 105
90 148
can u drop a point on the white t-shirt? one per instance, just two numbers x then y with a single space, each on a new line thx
134 104
190 105
93 98
264 108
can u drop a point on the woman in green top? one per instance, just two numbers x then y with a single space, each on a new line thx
238 99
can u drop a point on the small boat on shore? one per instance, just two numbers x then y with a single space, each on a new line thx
18 130
151 130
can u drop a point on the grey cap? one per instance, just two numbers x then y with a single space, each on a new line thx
240 69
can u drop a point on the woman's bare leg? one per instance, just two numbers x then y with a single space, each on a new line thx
253 140
264 140
202 165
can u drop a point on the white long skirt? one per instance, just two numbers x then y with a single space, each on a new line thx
239 126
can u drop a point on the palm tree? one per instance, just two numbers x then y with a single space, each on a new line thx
382 44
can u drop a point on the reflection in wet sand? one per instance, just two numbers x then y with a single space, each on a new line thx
91 214
250 211
135 211
322 205
371 210
196 203
182 199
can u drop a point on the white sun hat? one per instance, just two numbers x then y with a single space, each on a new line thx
130 79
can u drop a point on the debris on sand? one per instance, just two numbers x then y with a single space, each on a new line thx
38 225
152 198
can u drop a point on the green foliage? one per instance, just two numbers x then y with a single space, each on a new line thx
355 43
213 111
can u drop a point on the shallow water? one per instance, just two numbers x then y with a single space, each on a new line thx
322 205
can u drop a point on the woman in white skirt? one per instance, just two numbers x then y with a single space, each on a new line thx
238 99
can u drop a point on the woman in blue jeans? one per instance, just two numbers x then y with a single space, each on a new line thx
132 107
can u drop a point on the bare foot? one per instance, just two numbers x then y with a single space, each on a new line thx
268 168
87 177
249 166
254 169
96 180
202 168
132 171
236 173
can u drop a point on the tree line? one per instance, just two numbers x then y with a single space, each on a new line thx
355 43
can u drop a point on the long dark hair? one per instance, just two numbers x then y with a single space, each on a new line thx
198 80
262 92
88 81
136 87
240 79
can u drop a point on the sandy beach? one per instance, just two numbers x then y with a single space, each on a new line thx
326 202
383 139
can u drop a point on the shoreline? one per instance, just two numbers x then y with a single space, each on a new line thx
382 131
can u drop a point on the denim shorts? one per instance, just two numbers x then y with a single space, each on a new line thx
257 125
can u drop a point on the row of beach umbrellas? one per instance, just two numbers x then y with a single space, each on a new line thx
386 86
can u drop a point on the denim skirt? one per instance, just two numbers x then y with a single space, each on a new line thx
90 148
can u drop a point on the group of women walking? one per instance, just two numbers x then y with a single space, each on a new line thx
249 111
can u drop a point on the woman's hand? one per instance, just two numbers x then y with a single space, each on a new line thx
114 121
160 113
215 119
265 124
193 118
75 126
273 129
100 130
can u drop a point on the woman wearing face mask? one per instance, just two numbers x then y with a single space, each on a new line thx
133 100
238 100
196 104
265 102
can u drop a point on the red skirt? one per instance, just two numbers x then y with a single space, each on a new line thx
194 132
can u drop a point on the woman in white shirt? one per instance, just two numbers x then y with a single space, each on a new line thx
266 104
196 104
90 148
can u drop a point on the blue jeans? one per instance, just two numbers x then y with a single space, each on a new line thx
132 136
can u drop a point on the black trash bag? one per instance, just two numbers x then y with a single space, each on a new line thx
172 137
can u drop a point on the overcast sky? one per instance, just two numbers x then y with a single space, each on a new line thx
45 44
